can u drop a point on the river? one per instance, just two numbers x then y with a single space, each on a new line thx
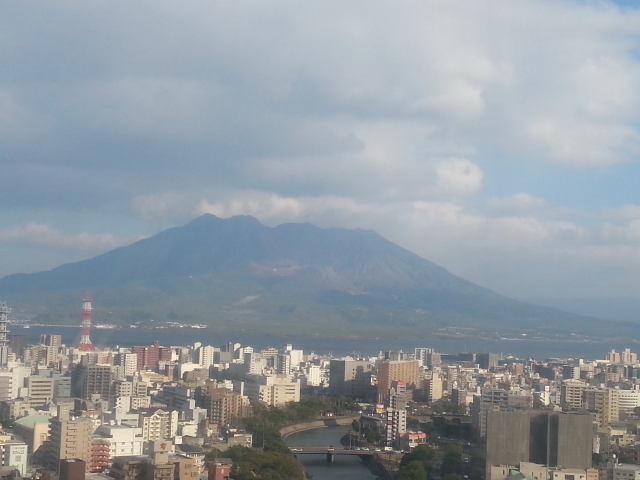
342 468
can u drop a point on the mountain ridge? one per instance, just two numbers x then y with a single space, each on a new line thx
298 273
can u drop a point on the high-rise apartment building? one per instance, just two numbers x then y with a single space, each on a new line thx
148 357
224 407
129 361
407 371
432 387
572 394
605 402
206 355
488 399
68 438
158 424
396 422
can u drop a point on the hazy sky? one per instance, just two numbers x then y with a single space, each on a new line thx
500 139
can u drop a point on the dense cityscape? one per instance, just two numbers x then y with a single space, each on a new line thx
186 411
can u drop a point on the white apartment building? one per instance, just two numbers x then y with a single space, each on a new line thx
129 361
274 390
205 355
314 376
628 400
159 424
123 440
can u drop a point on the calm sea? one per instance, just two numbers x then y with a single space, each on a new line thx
518 348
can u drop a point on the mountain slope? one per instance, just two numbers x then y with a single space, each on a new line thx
238 271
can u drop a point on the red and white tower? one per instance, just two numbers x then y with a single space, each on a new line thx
85 344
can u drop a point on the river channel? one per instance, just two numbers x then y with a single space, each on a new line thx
342 467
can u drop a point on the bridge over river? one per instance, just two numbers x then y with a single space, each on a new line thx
330 452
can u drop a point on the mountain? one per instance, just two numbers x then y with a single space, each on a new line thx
238 274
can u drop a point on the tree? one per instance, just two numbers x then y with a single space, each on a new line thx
452 459
422 453
412 471
451 476
355 425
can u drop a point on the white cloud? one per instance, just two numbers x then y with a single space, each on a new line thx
43 235
520 202
458 177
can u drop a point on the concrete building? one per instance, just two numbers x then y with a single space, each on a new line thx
158 424
422 354
41 390
489 399
129 361
605 402
314 375
69 438
628 400
572 394
273 390
396 421
88 380
487 360
73 469
148 357
205 356
14 454
533 471
51 340
625 471
224 407
432 387
34 429
350 378
407 371
123 440
541 437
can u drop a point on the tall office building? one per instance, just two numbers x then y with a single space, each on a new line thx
350 378
548 438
